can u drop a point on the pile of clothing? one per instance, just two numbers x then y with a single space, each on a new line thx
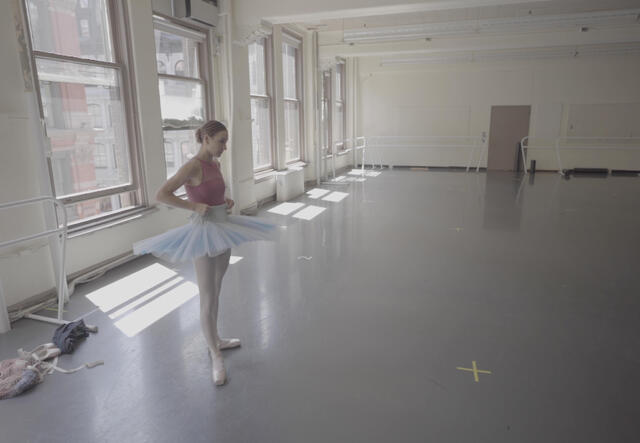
18 375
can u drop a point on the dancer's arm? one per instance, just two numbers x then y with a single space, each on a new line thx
227 195
166 193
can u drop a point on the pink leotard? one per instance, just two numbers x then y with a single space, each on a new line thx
211 190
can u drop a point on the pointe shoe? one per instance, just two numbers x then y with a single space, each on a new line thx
44 352
218 373
228 343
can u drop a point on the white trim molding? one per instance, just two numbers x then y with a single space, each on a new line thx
324 64
251 34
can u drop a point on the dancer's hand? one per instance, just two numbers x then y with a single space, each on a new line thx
229 202
200 208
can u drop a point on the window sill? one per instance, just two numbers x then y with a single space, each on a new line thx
271 173
115 220
298 164
264 176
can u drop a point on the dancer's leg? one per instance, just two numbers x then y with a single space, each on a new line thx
221 268
209 272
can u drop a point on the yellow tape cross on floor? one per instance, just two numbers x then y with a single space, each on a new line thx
475 371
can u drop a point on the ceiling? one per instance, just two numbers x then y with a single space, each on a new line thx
528 9
445 30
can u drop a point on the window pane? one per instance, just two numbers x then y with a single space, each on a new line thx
179 146
324 124
181 103
70 28
85 210
83 110
339 78
176 55
289 54
261 132
291 131
257 68
338 124
326 110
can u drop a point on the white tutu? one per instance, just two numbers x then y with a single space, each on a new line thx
211 234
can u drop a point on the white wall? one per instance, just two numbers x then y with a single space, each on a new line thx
456 100
21 161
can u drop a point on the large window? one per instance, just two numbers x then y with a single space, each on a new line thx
182 74
83 97
325 113
340 115
291 71
259 82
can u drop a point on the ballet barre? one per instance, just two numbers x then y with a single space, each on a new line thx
332 155
560 144
61 233
380 143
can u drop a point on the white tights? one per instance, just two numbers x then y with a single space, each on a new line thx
209 272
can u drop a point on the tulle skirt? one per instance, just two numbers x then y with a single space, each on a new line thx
210 234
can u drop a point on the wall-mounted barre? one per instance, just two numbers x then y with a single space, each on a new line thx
61 233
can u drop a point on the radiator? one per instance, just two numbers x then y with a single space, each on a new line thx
289 184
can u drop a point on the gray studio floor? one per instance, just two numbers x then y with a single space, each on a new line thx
356 324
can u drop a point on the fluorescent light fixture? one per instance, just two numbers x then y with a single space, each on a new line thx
445 58
234 259
336 196
372 173
309 212
317 193
153 311
286 208
526 23
521 54
134 285
339 179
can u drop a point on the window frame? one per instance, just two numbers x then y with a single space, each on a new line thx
268 67
292 38
192 31
327 102
119 29
340 99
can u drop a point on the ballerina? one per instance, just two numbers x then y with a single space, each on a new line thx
210 235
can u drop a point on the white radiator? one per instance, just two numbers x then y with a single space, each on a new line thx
289 184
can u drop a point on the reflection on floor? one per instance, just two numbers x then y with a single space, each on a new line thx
422 306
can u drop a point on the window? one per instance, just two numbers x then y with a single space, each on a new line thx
325 113
182 82
291 71
260 105
79 78
340 115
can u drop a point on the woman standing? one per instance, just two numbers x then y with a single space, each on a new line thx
207 239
